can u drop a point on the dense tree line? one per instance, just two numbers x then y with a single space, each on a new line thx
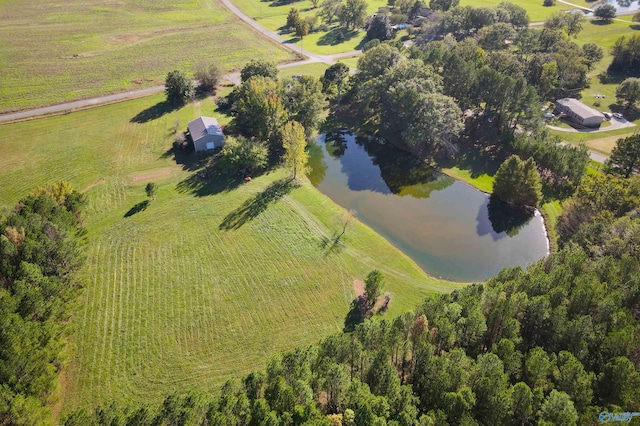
39 254
414 98
555 344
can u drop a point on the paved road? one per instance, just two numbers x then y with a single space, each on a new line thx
599 158
70 106
615 125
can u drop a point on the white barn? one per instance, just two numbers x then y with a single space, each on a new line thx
579 112
206 133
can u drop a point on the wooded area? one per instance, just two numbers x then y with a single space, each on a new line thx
555 344
40 251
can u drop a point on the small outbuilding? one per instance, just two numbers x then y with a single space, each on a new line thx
206 134
579 112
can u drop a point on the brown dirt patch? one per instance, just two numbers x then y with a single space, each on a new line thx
149 175
358 287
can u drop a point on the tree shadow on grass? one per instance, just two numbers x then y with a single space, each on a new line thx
256 205
202 184
606 77
336 36
356 314
154 112
332 244
282 3
189 160
141 206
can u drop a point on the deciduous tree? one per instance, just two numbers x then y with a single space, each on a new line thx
243 153
353 14
329 10
336 74
208 76
606 12
301 28
151 189
380 28
304 102
443 5
259 110
628 92
373 286
178 88
593 53
294 144
626 55
262 68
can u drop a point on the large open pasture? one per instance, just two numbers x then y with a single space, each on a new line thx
53 52
204 282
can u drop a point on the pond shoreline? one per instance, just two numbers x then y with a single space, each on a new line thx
450 227
552 246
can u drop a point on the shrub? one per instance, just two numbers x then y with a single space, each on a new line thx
208 76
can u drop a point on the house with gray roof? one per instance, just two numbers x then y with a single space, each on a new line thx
206 134
579 112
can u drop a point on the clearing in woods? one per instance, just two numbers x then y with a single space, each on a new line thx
206 281
55 52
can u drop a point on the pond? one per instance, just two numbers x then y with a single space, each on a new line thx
623 5
450 229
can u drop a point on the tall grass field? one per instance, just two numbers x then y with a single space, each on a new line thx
54 52
203 283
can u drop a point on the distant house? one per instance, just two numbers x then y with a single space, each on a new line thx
579 112
206 133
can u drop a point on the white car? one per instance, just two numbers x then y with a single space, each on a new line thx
618 115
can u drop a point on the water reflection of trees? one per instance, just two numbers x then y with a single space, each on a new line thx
403 173
317 165
336 142
507 218
624 3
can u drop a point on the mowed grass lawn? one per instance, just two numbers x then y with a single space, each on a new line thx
174 301
536 11
53 52
273 16
605 36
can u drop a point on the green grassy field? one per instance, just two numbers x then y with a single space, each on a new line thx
53 52
605 36
273 16
317 70
537 12
207 281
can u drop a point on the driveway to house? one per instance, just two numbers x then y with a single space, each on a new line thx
615 125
